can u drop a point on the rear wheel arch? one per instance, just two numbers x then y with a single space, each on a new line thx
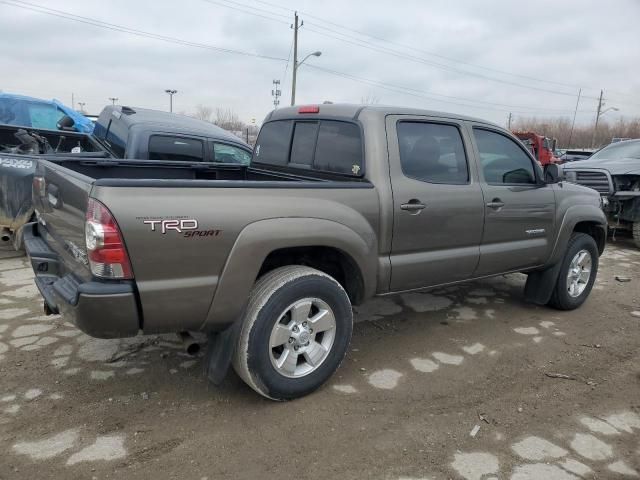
334 262
257 242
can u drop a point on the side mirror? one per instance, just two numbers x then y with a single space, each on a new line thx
66 123
553 173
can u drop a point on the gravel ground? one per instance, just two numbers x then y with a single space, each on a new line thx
466 382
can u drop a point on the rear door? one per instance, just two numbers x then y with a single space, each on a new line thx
519 207
437 202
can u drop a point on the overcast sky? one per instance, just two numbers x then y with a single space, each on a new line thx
482 58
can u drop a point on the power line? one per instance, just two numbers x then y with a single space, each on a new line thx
119 28
422 94
444 57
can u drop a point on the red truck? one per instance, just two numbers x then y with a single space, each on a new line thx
542 147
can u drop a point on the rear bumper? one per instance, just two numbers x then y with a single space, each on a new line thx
100 309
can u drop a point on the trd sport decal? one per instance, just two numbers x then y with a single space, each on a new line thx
188 227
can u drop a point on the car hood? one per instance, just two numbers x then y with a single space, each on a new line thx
624 166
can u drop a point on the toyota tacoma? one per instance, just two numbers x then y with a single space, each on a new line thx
340 203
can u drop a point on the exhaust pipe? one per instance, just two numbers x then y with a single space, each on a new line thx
5 234
191 345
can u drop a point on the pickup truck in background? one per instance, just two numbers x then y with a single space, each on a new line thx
340 203
614 172
120 133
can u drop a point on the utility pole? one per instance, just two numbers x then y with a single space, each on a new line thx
295 59
275 93
113 100
81 104
171 94
574 118
73 104
595 127
509 121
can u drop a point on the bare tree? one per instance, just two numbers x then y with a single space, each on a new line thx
203 112
370 99
228 119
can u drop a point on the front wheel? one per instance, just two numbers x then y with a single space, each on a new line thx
296 331
577 273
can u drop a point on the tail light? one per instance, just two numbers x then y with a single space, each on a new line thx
107 254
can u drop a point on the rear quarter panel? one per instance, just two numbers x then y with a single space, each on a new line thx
177 275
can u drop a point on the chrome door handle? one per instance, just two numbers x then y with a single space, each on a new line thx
413 206
496 203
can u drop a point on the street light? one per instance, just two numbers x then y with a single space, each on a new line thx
171 94
296 64
113 100
598 115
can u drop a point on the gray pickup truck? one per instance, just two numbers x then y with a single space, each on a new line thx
340 203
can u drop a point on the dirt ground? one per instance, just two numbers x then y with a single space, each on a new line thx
466 382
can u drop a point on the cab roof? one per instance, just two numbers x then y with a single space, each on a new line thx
354 111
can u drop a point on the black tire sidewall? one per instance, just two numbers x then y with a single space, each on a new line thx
259 364
580 242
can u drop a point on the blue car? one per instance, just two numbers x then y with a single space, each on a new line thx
32 112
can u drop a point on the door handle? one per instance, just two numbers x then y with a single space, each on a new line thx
414 206
496 204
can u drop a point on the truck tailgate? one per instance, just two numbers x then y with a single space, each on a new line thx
60 201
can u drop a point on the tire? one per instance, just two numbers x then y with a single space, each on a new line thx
276 307
636 234
563 298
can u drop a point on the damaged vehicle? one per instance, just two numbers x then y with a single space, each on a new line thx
614 172
120 133
340 203
30 112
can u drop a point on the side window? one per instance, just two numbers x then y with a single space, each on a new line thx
223 153
304 141
272 146
502 160
339 148
162 147
432 152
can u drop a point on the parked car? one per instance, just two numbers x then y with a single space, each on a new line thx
340 203
614 172
30 112
575 155
120 133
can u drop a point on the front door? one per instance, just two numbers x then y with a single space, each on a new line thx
438 208
519 208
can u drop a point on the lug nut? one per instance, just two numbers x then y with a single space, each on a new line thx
295 328
304 324
296 348
290 339
306 344
311 330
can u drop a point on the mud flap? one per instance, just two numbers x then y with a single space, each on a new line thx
220 349
540 284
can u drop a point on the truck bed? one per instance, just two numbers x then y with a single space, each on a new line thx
115 172
225 205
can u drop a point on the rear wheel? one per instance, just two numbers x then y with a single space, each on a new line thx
295 333
577 273
636 234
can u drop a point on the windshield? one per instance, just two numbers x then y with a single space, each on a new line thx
617 151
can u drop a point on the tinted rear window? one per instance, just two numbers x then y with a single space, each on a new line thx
339 148
182 149
326 145
272 146
304 140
